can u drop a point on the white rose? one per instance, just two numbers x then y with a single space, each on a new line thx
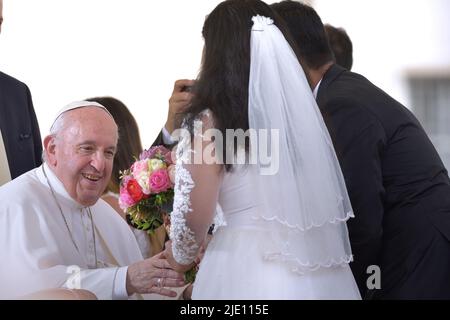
156 164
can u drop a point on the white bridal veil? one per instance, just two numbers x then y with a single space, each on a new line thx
306 198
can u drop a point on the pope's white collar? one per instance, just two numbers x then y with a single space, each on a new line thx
57 185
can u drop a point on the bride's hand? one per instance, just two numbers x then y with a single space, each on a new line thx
175 265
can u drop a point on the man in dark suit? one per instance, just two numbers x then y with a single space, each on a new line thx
398 185
18 125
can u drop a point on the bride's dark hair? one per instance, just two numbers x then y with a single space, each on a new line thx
223 81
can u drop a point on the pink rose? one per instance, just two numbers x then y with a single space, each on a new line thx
139 167
171 172
168 157
152 152
159 181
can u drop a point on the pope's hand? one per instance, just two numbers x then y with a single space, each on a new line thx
153 275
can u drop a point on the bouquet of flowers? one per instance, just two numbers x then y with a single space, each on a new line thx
146 192
146 189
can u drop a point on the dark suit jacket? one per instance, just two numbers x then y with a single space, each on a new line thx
159 140
398 186
19 127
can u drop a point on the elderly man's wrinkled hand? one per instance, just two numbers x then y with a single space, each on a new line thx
153 275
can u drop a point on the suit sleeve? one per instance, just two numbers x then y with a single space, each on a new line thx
35 132
359 141
159 140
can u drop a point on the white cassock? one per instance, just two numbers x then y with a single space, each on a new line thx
37 250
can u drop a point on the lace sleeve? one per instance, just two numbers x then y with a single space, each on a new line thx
197 183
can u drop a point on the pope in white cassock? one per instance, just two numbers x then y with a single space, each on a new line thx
56 232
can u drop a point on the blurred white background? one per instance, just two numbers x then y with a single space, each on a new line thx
67 50
403 46
393 38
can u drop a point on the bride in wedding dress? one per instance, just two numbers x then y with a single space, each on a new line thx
283 196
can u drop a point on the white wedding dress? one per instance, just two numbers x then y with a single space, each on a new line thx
285 234
235 265
244 260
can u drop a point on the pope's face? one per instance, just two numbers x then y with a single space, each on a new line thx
82 154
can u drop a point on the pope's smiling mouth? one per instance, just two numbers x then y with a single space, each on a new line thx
91 177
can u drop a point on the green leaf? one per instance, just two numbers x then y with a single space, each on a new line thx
189 276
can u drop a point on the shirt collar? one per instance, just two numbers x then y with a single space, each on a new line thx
5 175
57 186
316 89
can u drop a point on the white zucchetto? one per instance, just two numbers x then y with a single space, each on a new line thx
78 105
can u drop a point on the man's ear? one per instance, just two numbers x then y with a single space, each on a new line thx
50 150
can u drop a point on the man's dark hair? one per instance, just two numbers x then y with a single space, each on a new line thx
341 45
308 31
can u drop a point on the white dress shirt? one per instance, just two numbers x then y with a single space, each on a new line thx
316 89
5 175
166 137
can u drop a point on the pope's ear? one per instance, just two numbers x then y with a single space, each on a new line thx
50 150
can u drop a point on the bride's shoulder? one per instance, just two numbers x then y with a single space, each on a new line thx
200 122
206 118
206 114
